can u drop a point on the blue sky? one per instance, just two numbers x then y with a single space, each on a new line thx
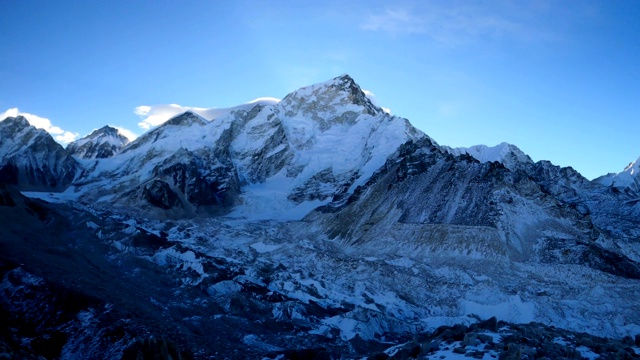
559 79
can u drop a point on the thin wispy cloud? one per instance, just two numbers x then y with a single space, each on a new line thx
458 24
158 114
60 135
395 21
126 132
372 97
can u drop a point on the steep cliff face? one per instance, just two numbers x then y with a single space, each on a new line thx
41 163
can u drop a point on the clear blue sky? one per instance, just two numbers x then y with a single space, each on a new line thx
559 79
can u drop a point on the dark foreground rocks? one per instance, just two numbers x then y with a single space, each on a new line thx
492 339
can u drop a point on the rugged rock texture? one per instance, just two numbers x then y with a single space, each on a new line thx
497 339
42 164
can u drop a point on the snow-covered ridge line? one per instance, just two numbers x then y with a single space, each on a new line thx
155 115
505 153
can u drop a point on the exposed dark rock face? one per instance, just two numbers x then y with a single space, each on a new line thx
160 194
9 174
157 349
497 339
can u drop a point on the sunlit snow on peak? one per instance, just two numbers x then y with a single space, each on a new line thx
155 115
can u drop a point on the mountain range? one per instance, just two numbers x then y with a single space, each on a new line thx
318 225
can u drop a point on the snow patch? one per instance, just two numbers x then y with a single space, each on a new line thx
512 310
223 288
264 248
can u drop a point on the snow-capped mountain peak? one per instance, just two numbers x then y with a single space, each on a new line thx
15 132
101 143
337 101
187 118
17 123
507 154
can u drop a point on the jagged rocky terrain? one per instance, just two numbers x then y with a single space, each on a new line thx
317 226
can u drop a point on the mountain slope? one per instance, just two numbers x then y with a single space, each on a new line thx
40 162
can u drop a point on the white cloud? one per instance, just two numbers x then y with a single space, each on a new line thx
13 112
157 114
60 135
126 132
453 25
66 137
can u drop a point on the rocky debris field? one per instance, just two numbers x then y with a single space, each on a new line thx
492 339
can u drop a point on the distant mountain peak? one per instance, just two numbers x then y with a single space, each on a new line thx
16 123
107 130
101 143
187 118
507 154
